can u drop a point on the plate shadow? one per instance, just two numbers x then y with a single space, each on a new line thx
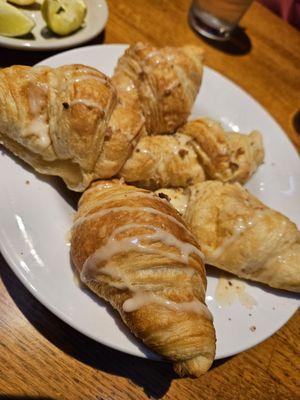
11 57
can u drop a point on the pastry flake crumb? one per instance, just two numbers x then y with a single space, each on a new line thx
164 196
27 182
182 153
252 328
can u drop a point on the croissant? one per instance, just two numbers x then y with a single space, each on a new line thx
199 150
239 234
167 81
133 250
76 123
163 161
55 118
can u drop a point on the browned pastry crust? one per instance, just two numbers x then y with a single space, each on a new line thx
55 118
76 123
199 150
224 156
167 81
163 161
240 234
125 128
132 249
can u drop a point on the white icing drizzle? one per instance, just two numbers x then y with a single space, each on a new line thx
37 96
170 57
150 210
129 87
86 76
239 227
70 79
173 85
154 53
167 238
87 103
141 299
40 129
85 209
99 188
120 194
113 246
114 271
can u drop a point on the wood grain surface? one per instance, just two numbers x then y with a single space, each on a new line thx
42 357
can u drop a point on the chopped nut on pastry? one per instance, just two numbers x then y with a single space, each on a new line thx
198 151
224 156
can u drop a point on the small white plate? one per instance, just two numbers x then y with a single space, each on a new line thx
36 215
41 38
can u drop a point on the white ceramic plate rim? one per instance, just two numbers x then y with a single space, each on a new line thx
12 261
63 42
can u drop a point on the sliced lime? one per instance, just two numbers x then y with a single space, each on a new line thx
14 22
63 16
22 2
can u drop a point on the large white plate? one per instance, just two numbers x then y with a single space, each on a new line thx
36 215
42 39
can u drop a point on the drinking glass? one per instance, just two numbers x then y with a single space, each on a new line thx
216 19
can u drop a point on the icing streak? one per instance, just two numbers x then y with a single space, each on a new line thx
98 190
138 243
239 227
87 103
150 210
134 243
140 299
242 226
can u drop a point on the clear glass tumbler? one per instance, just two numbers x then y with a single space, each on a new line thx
216 19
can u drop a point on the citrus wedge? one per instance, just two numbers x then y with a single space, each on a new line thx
22 2
14 22
64 16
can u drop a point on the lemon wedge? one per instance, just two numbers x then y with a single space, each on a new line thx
13 22
22 2
64 16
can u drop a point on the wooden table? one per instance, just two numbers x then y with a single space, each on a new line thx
42 357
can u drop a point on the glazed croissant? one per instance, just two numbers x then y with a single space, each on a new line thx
55 118
133 249
239 234
199 150
76 123
167 81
